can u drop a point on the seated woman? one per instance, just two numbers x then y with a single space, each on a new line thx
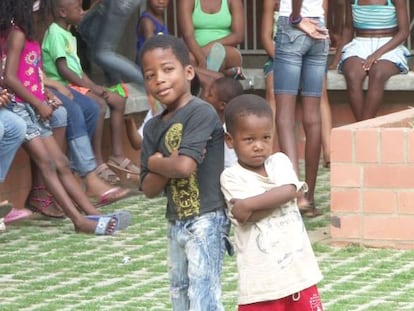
374 34
212 29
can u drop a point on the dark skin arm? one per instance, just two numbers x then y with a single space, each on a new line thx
256 207
15 43
153 184
73 78
185 22
146 28
267 26
174 166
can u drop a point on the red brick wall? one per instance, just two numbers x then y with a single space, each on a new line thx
372 181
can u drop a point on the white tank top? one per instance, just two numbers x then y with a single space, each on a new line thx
310 8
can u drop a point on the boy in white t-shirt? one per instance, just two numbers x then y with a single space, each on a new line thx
277 269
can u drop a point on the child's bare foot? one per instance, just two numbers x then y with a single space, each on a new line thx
105 225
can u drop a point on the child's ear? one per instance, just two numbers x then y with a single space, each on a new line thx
229 140
189 72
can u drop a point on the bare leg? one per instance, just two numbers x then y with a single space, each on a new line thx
312 128
378 75
44 151
40 200
270 98
326 125
134 137
286 129
354 76
97 137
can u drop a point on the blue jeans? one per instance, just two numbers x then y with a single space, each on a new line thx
59 118
300 61
12 132
83 114
102 28
196 249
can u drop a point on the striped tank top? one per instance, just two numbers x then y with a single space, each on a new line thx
373 16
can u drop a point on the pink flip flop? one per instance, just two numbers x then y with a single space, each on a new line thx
17 214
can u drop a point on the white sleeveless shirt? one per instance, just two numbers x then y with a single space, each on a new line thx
310 8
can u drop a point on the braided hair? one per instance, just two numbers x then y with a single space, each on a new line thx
17 13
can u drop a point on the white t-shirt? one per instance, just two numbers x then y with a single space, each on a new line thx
230 157
310 8
274 255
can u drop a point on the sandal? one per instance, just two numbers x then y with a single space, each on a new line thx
111 196
237 73
126 165
105 223
311 211
107 175
123 219
17 214
42 202
126 169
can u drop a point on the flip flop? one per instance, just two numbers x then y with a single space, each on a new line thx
5 208
106 174
111 196
17 214
216 57
123 219
103 222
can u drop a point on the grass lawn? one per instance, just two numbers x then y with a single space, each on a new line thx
44 265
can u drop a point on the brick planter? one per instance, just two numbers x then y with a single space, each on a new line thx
372 182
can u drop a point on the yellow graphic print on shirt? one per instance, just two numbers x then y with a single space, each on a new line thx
184 191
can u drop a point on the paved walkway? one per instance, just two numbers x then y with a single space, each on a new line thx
44 265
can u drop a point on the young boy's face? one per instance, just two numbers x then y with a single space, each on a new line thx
71 11
252 141
166 78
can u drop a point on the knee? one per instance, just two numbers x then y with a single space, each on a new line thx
62 163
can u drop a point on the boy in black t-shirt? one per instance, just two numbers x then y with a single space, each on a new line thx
182 153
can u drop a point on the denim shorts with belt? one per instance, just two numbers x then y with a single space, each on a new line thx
300 61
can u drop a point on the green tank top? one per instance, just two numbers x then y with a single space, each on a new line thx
210 27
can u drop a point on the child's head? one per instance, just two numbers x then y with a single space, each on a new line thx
157 7
165 64
249 122
221 91
19 13
68 11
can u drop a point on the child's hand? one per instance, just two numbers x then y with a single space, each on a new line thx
5 98
311 28
240 211
44 111
367 64
54 102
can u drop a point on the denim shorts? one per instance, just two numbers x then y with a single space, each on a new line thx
300 61
363 47
35 126
196 249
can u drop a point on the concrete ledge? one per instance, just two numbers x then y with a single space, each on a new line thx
137 100
336 81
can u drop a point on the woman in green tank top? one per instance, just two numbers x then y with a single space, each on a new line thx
213 29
